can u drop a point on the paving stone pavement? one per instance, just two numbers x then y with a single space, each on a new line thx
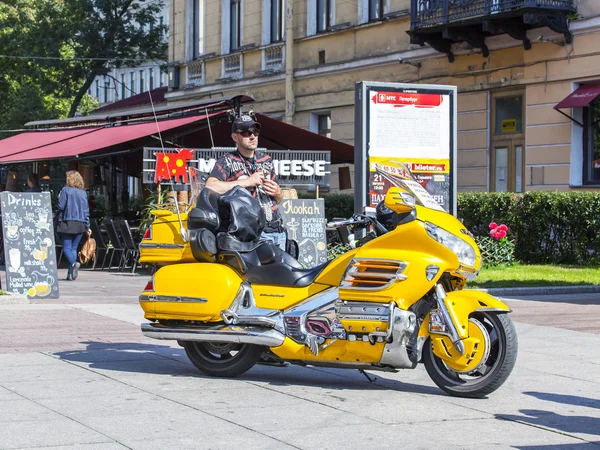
76 373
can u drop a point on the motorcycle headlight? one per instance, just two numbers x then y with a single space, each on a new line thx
462 249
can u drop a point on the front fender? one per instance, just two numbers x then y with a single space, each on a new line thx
461 304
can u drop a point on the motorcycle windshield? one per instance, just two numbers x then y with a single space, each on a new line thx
399 175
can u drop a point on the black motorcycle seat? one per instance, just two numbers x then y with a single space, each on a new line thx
268 264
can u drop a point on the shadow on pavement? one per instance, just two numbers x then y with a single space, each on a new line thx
552 420
172 361
581 446
566 399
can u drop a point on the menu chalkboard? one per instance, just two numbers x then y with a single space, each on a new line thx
29 249
305 222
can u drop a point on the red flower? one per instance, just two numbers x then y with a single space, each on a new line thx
493 225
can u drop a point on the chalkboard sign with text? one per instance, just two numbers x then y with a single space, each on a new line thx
29 249
305 222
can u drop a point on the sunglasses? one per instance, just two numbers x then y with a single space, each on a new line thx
249 133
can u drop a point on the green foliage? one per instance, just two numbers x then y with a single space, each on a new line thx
64 36
154 200
495 252
478 209
338 205
336 249
557 227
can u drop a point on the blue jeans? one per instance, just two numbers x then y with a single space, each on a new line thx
70 242
276 238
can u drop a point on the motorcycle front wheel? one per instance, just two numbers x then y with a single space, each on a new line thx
491 373
219 359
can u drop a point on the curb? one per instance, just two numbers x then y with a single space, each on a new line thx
13 299
542 290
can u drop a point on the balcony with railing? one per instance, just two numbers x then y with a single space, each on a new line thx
440 23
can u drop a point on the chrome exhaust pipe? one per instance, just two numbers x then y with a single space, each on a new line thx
232 334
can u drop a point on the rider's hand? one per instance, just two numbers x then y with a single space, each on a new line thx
255 179
271 188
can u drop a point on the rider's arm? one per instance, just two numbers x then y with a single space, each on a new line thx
223 186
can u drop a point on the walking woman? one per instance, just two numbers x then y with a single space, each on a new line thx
73 219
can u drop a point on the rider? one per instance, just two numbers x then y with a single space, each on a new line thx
253 170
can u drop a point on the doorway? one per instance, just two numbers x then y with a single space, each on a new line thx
507 156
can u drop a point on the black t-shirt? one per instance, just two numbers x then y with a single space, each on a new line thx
234 166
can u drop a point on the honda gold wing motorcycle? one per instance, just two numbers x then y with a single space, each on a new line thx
396 300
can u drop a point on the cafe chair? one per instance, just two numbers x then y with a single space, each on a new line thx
131 248
100 243
115 242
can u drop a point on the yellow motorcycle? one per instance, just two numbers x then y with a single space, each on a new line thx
395 300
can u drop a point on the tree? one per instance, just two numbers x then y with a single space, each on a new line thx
81 39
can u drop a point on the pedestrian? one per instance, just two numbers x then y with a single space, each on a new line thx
73 219
254 170
33 181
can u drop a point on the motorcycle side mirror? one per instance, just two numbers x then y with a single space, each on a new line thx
399 201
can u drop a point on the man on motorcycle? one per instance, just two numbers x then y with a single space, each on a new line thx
253 170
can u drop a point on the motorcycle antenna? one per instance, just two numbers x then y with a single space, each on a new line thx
182 230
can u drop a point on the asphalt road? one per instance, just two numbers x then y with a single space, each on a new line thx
76 373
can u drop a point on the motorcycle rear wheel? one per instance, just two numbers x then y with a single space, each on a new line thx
219 359
494 370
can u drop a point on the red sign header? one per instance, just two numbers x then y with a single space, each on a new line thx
406 99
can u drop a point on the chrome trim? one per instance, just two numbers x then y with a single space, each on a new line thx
147 245
395 352
494 310
431 271
243 310
353 310
312 342
171 298
452 333
468 272
232 334
320 304
420 344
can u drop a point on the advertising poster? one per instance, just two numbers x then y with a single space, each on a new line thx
410 124
29 249
305 222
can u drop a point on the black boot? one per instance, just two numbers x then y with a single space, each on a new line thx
75 270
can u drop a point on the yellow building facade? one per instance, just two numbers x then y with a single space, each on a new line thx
301 59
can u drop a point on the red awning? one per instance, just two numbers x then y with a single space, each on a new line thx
580 97
97 139
35 139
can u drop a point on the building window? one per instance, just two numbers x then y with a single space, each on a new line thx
375 9
98 91
509 115
132 83
324 15
591 143
151 78
234 25
277 22
142 81
325 125
320 123
198 30
123 86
